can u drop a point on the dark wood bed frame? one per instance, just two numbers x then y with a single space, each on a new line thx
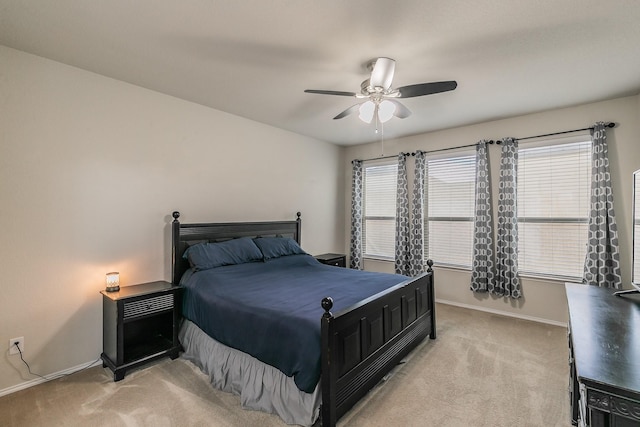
361 344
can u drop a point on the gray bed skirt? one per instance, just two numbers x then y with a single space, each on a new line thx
260 386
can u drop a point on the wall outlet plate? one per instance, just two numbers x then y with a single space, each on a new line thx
12 347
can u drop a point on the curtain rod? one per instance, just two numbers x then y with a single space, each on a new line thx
609 125
430 151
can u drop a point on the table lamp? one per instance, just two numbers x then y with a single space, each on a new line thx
113 281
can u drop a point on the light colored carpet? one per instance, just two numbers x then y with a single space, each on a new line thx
483 370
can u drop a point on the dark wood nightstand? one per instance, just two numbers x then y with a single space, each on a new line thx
139 324
339 260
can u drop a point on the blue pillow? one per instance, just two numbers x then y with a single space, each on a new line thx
211 255
275 247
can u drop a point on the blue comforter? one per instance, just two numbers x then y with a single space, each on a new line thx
271 310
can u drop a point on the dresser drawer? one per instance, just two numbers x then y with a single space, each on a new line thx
144 307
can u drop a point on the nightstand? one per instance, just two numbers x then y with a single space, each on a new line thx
139 324
339 260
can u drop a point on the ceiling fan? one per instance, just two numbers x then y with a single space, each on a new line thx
381 97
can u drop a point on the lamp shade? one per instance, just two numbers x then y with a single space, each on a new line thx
386 110
367 110
113 281
383 109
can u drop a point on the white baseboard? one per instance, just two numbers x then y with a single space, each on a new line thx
503 313
49 377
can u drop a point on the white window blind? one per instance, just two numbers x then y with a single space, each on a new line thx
380 186
450 199
553 208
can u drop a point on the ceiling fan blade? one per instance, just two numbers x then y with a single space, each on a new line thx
382 73
401 111
330 92
421 89
348 111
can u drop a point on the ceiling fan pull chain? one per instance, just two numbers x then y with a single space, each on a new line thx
381 139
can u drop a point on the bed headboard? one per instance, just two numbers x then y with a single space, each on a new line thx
185 235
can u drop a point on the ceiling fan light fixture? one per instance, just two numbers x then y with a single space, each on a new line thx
386 109
367 109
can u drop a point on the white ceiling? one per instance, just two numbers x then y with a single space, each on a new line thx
254 58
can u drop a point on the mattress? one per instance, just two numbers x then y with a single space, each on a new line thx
271 310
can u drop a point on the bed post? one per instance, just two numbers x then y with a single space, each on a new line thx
432 297
329 375
298 228
175 242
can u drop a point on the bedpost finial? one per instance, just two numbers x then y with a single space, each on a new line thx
175 215
298 215
327 305
429 265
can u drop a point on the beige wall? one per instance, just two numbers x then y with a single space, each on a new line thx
543 300
90 170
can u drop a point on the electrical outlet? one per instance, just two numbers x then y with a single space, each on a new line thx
12 347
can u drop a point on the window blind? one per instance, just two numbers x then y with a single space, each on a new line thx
450 200
553 208
380 186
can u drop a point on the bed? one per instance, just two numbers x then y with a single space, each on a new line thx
350 342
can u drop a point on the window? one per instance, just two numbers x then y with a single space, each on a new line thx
553 208
380 184
450 202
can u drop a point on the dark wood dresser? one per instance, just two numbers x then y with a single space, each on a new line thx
604 357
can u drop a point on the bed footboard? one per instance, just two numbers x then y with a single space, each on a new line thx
363 343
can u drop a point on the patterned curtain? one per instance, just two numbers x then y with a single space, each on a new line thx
355 250
602 263
417 243
482 272
402 264
507 281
